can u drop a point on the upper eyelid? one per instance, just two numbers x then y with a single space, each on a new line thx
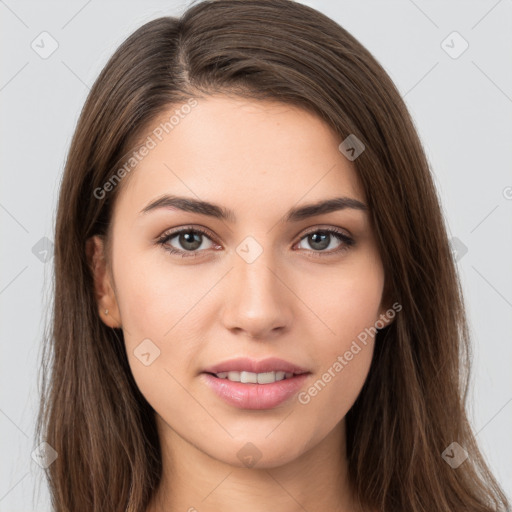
172 233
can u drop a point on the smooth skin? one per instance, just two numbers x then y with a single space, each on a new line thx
295 301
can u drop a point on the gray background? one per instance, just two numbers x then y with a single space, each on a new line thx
462 109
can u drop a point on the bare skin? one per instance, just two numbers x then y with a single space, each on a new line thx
296 301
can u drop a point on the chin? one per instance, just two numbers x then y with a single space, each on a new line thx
259 451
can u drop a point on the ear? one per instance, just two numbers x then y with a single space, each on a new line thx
104 291
386 317
388 310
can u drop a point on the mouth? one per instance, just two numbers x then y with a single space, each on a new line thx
250 384
246 368
254 378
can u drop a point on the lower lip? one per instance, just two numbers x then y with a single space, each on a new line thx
255 396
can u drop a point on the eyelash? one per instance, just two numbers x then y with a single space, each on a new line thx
342 237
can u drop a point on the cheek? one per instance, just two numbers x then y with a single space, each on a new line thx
152 295
348 305
156 304
345 299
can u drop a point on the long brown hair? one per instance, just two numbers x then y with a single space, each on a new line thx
413 404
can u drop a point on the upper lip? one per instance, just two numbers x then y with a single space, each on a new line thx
244 364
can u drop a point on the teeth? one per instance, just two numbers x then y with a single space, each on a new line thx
249 377
266 378
255 378
234 376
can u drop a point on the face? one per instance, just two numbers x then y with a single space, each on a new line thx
203 297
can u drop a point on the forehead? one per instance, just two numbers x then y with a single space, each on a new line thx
248 154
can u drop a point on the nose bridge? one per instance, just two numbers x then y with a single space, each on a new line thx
256 282
256 300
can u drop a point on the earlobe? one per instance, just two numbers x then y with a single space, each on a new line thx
103 289
387 315
388 307
386 318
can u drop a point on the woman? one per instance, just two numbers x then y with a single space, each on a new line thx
255 301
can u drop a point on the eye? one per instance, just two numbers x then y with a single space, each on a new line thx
189 238
321 239
191 241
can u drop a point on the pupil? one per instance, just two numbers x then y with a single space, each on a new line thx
323 243
190 238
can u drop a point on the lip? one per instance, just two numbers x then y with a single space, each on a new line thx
255 396
245 364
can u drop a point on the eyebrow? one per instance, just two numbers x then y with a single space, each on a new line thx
188 204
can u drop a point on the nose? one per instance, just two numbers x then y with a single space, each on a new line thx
257 300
